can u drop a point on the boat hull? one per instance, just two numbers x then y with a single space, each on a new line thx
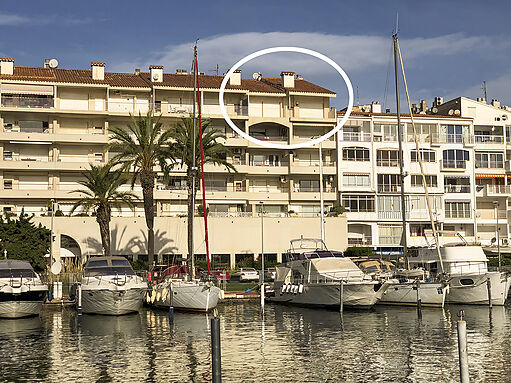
355 294
186 296
405 294
112 302
20 309
477 293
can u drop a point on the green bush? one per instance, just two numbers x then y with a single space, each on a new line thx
336 210
356 251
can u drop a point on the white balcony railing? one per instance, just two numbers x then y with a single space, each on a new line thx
453 164
488 139
356 136
498 189
457 188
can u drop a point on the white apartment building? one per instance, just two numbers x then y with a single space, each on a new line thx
463 146
54 122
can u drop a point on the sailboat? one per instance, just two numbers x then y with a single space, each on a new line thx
180 289
408 287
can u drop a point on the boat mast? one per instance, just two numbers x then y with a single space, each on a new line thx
401 164
194 166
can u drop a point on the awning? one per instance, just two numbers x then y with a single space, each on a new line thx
483 175
27 89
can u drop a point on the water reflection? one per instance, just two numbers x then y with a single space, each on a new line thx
288 345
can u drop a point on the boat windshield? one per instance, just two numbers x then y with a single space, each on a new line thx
98 271
17 273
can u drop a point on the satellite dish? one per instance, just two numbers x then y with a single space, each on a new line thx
451 112
156 76
56 268
53 63
434 110
257 76
504 117
457 112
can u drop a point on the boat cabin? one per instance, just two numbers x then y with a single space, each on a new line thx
12 268
100 266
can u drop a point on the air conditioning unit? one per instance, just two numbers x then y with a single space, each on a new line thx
505 241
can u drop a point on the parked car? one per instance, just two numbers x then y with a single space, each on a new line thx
270 274
221 273
247 274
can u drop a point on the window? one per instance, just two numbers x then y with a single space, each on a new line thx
389 183
387 158
424 131
427 155
457 185
308 186
431 181
454 133
490 160
388 132
455 159
355 154
389 203
355 179
457 210
390 234
358 203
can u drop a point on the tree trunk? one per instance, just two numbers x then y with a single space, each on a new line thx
103 219
147 183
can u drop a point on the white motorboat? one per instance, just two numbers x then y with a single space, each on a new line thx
21 291
178 291
110 287
406 287
466 272
312 276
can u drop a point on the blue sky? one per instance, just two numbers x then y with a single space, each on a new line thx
449 47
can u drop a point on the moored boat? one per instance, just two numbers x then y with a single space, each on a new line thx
21 291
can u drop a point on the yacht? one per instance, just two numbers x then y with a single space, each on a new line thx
21 291
405 286
177 290
466 272
110 287
312 276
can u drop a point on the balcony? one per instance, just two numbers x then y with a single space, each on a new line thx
387 163
498 190
457 214
360 241
456 188
312 167
465 139
27 102
356 137
453 164
488 139
489 164
389 188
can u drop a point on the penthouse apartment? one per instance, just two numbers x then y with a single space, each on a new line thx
54 123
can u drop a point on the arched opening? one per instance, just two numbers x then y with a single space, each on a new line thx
70 252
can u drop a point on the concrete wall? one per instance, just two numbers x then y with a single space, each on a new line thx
227 235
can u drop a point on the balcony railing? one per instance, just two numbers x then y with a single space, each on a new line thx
457 188
488 139
269 138
451 139
225 214
498 189
457 213
314 189
490 164
266 189
356 136
453 164
268 163
363 241
391 215
27 102
389 188
312 163
388 163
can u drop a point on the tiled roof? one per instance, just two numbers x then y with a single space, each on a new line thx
129 80
75 76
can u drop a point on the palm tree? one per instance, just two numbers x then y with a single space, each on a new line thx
101 195
214 153
139 149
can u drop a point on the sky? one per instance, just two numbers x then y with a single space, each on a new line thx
449 47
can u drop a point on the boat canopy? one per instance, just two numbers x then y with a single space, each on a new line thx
451 254
98 266
335 268
13 268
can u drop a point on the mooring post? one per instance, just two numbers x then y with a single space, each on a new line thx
171 315
341 296
216 351
419 300
488 287
79 306
462 348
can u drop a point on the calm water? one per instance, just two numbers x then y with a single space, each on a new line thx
385 344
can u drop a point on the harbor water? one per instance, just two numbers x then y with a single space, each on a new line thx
385 344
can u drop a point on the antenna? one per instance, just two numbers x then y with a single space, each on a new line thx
358 99
397 24
214 70
484 91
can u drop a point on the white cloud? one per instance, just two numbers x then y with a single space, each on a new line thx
10 19
498 87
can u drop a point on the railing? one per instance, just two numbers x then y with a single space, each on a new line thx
498 189
389 188
223 214
266 189
390 239
312 163
381 162
356 136
26 159
269 138
181 109
268 163
364 241
391 215
457 213
490 164
488 139
314 189
453 164
27 102
451 138
457 188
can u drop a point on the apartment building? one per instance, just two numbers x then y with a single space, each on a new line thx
54 123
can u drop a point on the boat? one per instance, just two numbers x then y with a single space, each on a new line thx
110 286
314 276
183 293
466 272
406 286
21 291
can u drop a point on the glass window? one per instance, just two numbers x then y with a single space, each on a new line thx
358 203
427 155
355 154
356 180
457 209
489 160
387 158
416 180
97 263
455 158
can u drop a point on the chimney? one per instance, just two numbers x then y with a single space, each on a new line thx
288 79
46 63
6 65
181 71
137 71
423 107
235 78
299 77
438 101
415 110
496 103
387 110
156 72
98 70
375 107
481 99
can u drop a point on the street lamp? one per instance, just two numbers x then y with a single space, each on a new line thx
496 205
